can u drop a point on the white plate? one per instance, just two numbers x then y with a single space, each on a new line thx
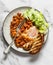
6 27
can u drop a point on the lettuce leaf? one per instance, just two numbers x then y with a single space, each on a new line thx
38 18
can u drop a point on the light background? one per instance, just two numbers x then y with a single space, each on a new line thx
45 57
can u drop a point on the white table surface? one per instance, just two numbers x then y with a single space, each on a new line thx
45 57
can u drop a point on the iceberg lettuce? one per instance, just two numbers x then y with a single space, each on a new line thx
38 18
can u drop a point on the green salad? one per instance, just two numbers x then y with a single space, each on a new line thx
38 18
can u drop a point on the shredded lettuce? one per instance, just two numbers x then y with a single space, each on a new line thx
38 18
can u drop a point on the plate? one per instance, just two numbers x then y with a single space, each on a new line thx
6 27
